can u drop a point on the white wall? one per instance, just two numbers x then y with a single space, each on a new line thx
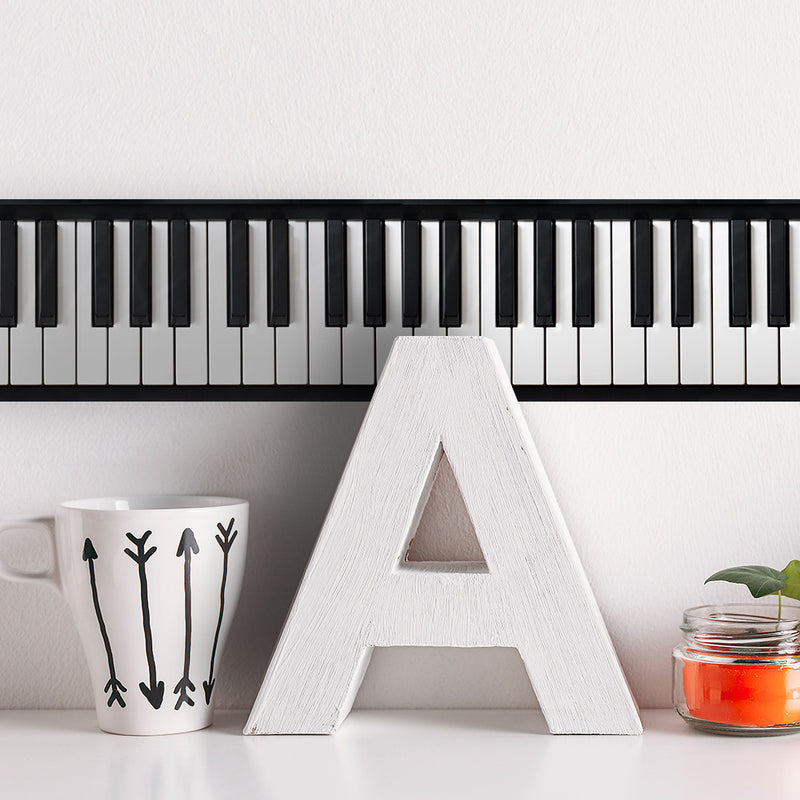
404 99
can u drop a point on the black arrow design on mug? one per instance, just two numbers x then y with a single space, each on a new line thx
187 546
90 554
155 691
225 542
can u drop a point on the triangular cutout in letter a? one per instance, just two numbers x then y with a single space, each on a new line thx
450 394
444 538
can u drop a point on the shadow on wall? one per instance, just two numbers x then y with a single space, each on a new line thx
302 454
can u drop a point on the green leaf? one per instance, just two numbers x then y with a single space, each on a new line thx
792 572
760 581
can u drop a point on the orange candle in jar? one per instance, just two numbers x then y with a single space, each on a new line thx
750 695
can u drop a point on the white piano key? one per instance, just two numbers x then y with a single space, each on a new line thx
500 336
92 342
527 352
696 355
191 343
358 341
761 349
429 246
790 336
258 338
385 336
470 281
291 342
224 343
324 343
158 340
662 338
26 338
728 342
627 341
123 340
595 342
561 340
59 342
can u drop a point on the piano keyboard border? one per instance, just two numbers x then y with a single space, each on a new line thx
468 209
465 209
362 394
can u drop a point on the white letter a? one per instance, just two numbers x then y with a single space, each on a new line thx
449 394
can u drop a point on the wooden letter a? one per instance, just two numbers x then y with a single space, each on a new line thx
447 395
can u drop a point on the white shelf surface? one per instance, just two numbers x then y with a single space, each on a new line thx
387 755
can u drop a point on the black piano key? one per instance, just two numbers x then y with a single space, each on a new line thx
412 274
506 274
544 275
641 273
450 274
682 273
278 274
46 274
179 276
102 273
335 273
141 274
238 274
583 273
8 273
374 274
739 273
778 273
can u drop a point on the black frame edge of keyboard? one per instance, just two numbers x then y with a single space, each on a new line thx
467 209
362 394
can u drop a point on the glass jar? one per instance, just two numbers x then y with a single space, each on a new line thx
737 670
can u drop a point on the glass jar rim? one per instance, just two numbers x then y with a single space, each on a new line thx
742 631
753 615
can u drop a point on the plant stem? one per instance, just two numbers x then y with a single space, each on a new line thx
779 606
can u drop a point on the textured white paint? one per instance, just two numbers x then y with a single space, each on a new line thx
270 99
441 396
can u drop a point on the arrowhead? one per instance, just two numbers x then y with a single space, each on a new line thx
188 544
88 550
208 688
154 695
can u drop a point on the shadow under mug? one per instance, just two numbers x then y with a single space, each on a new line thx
152 583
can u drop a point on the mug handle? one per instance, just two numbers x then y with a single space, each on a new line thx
49 577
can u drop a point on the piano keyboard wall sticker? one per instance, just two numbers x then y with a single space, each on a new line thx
154 692
225 541
283 300
187 546
114 685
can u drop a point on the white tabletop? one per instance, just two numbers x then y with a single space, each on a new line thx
390 754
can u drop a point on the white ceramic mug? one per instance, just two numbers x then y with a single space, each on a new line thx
152 583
